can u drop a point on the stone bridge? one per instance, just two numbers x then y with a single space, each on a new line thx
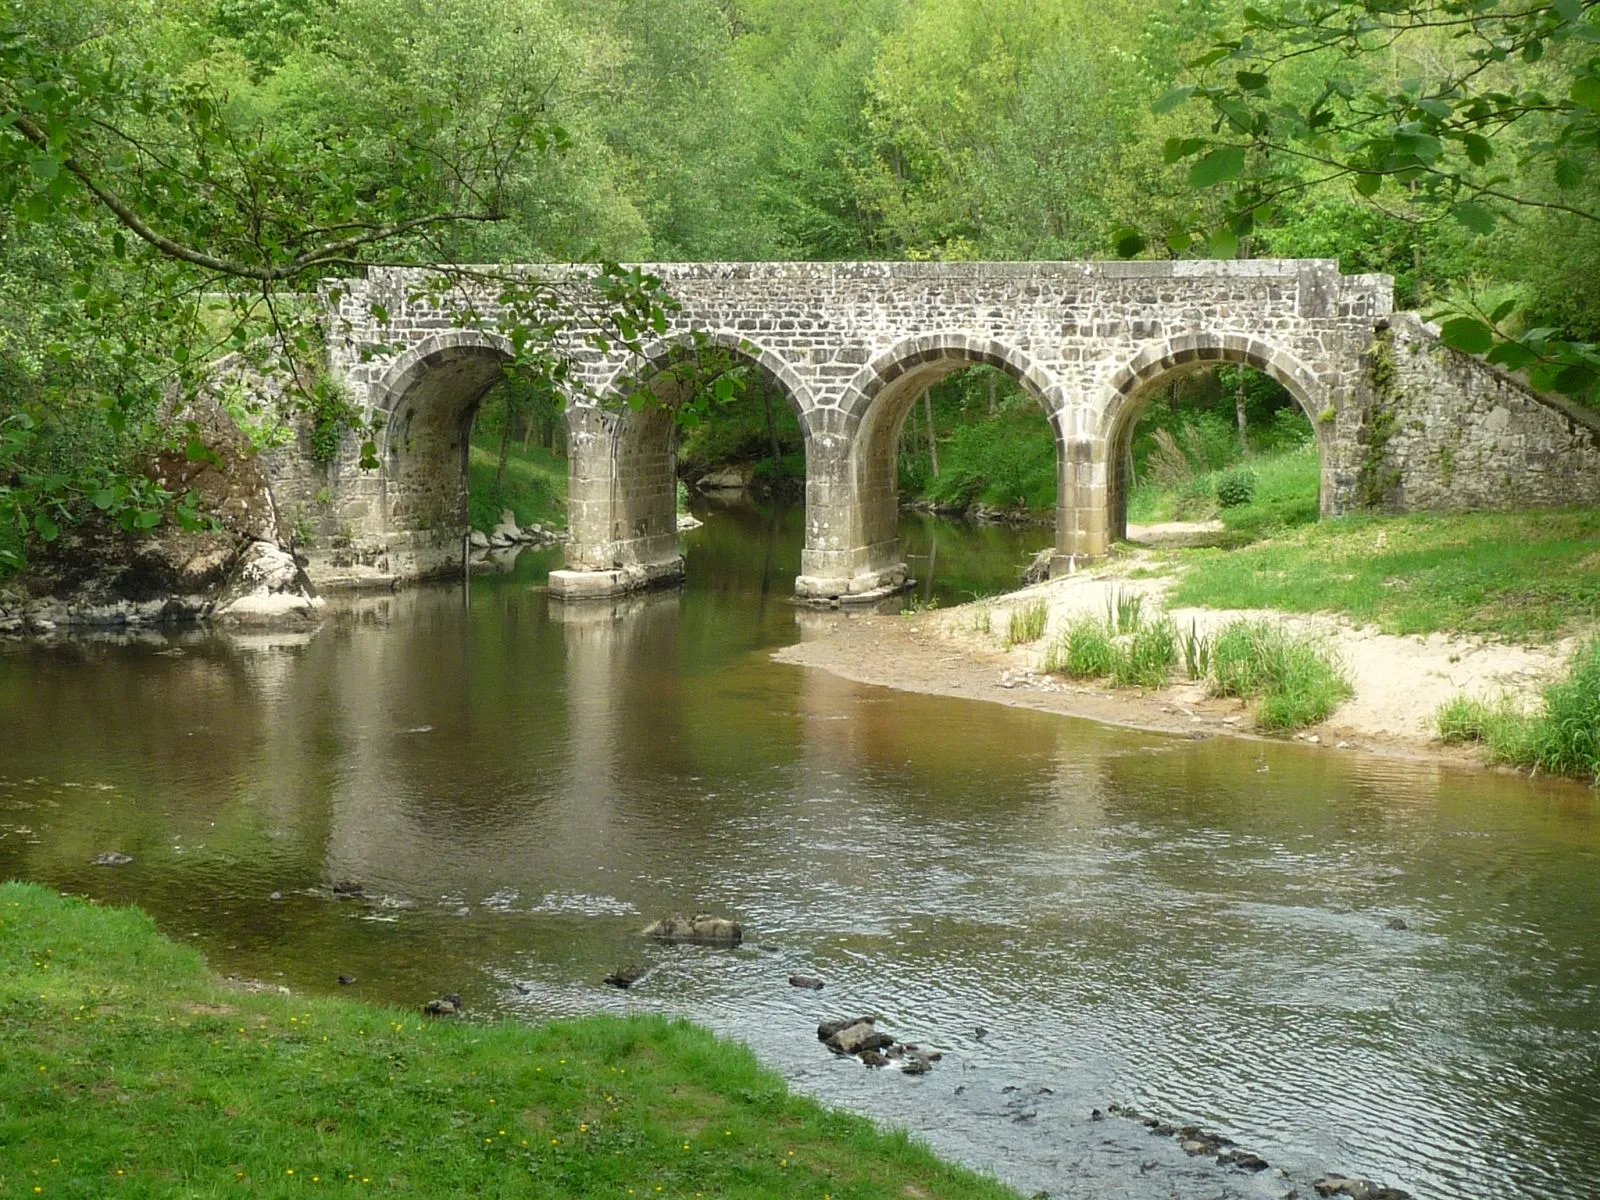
854 345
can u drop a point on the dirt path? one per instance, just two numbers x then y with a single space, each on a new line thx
1400 682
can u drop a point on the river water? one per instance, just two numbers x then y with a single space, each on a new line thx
1196 928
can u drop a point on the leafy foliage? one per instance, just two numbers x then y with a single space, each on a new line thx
1494 110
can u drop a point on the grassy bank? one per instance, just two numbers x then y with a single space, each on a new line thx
1525 576
1561 735
535 485
128 1071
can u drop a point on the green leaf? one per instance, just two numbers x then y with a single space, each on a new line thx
1179 242
1368 184
1423 147
1586 92
1222 164
1127 242
148 519
1224 243
1175 148
1477 217
1467 334
1251 81
1479 149
104 498
1511 355
1174 98
1569 173
47 529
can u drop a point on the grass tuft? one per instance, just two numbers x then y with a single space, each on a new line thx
1085 650
1292 681
1027 623
1124 610
1561 736
1149 656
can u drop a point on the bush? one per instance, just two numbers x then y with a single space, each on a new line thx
1292 681
1196 500
1236 487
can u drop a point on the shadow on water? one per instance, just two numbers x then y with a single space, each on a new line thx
1196 928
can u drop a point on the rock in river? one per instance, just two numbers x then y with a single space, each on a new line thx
701 928
112 858
805 981
448 1005
626 977
858 1038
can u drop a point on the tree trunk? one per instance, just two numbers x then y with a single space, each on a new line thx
933 443
505 453
989 380
772 428
1238 412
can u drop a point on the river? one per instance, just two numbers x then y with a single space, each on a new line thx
1195 928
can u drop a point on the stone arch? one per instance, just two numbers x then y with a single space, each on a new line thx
425 404
876 405
622 485
659 353
1133 384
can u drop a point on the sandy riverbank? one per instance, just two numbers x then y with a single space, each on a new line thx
1400 682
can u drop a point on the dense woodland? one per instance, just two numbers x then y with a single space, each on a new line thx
176 173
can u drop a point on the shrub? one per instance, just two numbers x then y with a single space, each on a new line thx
1292 681
1084 651
1196 500
1149 657
1027 623
1236 487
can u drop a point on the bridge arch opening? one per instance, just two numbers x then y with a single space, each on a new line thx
890 402
626 493
426 405
1199 425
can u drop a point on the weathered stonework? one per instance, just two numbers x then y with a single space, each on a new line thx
854 345
1463 435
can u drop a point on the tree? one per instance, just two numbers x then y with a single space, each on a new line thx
1477 111
213 185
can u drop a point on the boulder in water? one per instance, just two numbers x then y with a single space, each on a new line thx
701 928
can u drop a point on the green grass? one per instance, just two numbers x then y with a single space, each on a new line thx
1085 650
1026 623
1562 735
1529 576
1142 655
128 1071
1285 497
1149 656
535 487
1290 681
